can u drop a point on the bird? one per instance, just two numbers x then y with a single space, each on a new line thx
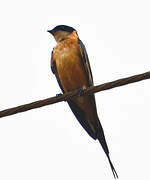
70 64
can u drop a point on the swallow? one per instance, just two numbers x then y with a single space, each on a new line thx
70 64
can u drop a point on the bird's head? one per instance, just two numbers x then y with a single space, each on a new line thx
61 32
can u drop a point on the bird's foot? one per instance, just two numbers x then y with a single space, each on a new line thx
81 92
60 94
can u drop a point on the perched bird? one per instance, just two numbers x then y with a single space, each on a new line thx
70 64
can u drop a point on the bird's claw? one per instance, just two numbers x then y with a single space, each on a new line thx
58 95
81 92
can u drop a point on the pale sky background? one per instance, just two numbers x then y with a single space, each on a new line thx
48 143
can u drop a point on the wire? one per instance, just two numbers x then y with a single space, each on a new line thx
67 96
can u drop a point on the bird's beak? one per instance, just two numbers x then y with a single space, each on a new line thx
50 31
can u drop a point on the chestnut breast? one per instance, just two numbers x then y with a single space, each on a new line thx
69 65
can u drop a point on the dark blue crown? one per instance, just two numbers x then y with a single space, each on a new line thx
62 28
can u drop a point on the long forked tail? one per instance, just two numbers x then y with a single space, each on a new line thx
107 154
112 168
101 138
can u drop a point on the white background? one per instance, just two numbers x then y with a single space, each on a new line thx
48 143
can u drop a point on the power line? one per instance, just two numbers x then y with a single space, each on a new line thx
67 96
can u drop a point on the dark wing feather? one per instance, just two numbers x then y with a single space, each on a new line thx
88 72
54 70
81 117
86 63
